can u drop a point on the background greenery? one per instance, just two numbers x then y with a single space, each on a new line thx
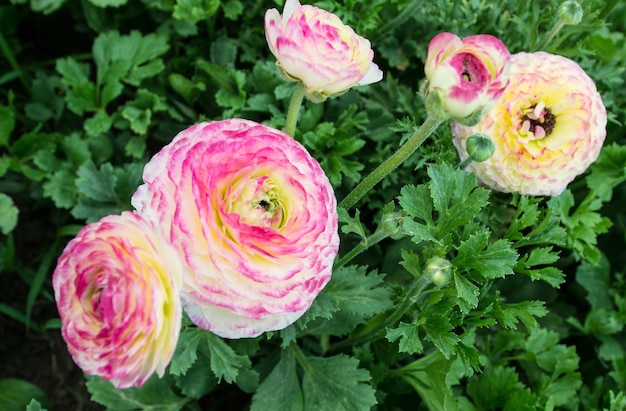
533 314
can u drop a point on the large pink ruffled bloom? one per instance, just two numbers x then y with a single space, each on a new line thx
254 216
467 76
547 127
315 47
117 289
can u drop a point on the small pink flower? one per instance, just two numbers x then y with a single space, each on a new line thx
466 76
255 218
117 289
547 127
313 46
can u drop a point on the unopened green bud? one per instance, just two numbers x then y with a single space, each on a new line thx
392 224
570 12
479 147
603 322
439 270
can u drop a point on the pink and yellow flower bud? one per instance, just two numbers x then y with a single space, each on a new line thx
548 127
117 289
254 216
313 46
465 77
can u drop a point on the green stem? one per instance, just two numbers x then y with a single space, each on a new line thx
387 166
294 109
8 54
548 38
375 238
379 323
463 164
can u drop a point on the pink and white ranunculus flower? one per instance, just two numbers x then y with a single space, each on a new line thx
117 289
313 46
547 127
467 76
254 216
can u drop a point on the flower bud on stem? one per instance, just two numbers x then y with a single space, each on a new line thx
570 13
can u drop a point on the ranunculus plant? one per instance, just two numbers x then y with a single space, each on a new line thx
313 46
117 289
548 127
464 78
254 216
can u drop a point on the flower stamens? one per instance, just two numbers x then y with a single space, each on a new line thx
538 120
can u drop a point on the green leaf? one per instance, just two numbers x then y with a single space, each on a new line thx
455 197
467 292
353 296
61 188
351 224
510 314
225 362
540 256
34 405
82 94
8 214
488 260
155 394
409 337
196 382
493 387
428 376
281 389
186 349
336 384
594 278
98 124
7 124
608 171
16 394
97 184
193 11
439 330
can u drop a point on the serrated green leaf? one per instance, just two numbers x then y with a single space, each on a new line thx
97 184
225 362
98 124
193 11
76 149
82 93
281 389
108 3
155 394
358 292
428 377
416 202
608 171
8 214
351 224
489 260
61 188
492 388
467 292
408 334
594 278
336 384
510 314
186 350
196 382
439 331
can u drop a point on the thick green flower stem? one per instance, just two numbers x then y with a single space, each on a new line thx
294 109
548 38
372 329
366 243
387 166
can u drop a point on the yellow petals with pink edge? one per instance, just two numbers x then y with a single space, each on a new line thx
117 288
548 127
313 46
255 218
